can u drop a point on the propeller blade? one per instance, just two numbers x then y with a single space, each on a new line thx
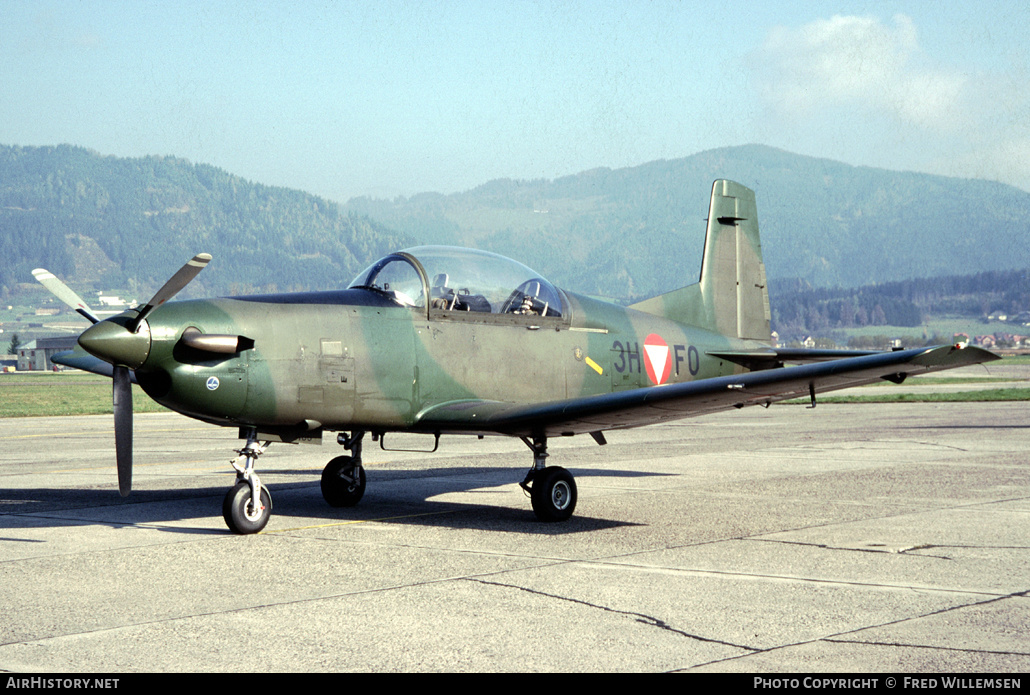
172 287
122 396
64 293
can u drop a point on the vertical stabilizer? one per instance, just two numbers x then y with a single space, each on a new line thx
731 297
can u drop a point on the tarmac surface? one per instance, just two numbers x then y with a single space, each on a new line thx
848 538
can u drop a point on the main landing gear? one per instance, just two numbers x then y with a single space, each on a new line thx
343 479
552 489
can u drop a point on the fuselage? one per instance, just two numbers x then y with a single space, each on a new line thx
355 359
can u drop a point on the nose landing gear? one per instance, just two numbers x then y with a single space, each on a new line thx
247 506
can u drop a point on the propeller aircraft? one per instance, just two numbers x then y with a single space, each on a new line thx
442 340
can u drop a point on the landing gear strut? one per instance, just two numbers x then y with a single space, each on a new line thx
343 479
552 489
242 514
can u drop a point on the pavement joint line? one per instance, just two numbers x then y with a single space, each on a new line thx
839 636
878 643
902 551
260 606
640 617
795 578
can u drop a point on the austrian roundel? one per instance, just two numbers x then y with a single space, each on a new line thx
656 359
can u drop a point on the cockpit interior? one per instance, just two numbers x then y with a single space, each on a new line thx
461 280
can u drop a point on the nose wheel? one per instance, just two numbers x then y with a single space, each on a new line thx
241 514
247 506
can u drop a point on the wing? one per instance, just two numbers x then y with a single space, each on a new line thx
662 403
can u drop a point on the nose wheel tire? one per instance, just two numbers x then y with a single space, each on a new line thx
553 494
343 482
240 515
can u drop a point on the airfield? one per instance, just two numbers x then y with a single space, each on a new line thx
888 539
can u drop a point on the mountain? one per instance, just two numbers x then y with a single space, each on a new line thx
130 223
634 232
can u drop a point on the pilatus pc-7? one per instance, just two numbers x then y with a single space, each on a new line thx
440 340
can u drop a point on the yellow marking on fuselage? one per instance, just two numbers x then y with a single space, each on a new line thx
595 366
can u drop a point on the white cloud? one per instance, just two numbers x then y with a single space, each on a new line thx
857 62
866 91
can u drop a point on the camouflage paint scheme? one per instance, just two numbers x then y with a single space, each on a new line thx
403 349
354 359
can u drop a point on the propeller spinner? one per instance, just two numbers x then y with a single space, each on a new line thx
124 341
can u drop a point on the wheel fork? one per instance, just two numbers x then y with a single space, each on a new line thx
539 448
248 457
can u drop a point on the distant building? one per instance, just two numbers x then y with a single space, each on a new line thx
35 355
111 300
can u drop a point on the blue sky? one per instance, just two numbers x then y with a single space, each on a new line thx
388 98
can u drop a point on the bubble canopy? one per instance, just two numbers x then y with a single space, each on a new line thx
458 279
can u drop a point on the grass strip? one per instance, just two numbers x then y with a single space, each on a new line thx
981 396
57 396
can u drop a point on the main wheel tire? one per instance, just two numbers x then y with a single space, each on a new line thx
554 494
343 482
240 516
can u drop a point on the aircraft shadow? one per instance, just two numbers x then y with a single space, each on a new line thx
396 497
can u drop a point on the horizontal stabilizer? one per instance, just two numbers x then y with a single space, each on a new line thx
771 358
80 359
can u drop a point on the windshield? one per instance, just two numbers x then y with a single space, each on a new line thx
396 277
462 280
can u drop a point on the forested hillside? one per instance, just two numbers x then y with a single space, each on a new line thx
799 309
631 233
110 222
114 223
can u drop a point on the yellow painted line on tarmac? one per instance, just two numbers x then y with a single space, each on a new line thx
31 436
134 465
105 432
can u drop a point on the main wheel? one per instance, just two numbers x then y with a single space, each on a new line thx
240 515
554 494
343 482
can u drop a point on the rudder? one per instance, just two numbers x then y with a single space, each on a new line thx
731 297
